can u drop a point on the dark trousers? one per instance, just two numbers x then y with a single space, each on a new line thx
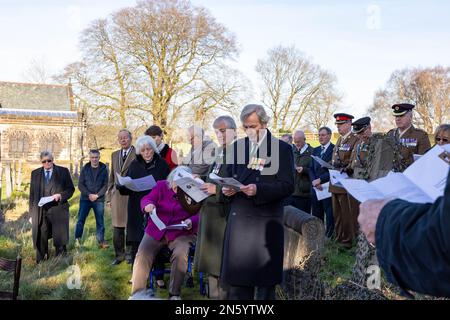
323 210
132 247
83 212
248 293
119 242
301 203
45 230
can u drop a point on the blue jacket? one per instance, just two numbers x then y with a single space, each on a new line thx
316 171
413 244
88 185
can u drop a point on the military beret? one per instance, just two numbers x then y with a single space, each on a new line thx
343 118
400 109
360 124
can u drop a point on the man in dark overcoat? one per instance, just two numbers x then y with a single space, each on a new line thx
254 238
52 219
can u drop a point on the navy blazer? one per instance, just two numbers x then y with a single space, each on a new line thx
413 243
316 171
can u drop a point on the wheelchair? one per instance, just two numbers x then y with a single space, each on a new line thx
165 254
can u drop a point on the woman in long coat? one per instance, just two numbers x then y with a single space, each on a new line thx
147 162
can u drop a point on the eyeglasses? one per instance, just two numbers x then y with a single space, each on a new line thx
443 139
47 161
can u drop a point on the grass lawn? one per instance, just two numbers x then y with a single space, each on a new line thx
99 280
54 279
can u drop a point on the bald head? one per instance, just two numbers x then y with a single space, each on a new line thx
299 138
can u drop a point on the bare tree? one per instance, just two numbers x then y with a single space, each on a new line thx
320 113
103 80
37 71
292 85
427 88
172 45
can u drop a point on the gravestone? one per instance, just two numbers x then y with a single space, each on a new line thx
304 240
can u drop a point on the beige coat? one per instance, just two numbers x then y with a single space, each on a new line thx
118 202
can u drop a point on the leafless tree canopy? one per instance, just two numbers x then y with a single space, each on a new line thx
37 71
294 89
427 88
155 60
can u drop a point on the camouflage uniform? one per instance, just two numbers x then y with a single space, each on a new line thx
371 161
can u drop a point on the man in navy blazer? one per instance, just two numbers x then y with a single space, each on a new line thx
320 176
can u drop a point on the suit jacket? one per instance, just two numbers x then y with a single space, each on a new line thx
254 236
118 202
62 184
316 171
413 243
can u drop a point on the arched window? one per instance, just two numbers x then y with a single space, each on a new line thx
50 142
19 144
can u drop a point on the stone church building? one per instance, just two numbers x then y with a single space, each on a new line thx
38 117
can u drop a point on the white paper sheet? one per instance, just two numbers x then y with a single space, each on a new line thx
157 221
324 193
226 182
336 177
162 226
417 156
322 163
422 182
192 188
179 226
44 200
430 172
183 174
137 185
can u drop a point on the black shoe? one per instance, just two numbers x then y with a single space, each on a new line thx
116 262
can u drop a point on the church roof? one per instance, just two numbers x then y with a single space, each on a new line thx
38 113
34 96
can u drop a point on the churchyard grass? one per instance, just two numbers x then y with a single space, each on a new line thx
57 278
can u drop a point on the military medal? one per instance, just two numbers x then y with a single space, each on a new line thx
261 164
216 168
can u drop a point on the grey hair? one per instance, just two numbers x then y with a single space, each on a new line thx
145 140
171 176
301 132
328 130
226 119
46 153
255 108
196 131
127 131
442 128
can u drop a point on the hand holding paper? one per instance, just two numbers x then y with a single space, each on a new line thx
44 200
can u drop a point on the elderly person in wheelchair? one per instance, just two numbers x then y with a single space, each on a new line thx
172 206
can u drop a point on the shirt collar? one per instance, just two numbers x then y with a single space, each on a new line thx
261 139
127 151
401 133
326 146
344 137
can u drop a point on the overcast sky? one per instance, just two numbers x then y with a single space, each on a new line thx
361 42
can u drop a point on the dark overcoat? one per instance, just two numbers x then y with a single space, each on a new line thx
213 220
254 237
159 169
62 184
